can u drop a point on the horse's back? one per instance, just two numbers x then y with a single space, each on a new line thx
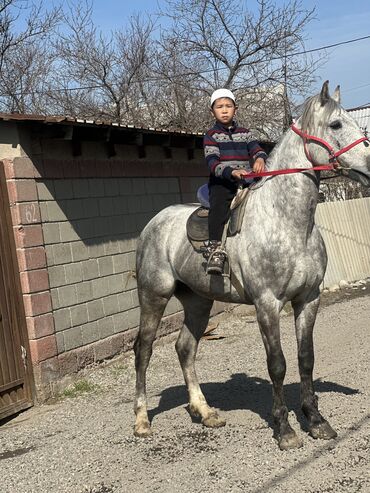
161 225
164 238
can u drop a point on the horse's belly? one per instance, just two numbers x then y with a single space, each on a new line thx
218 288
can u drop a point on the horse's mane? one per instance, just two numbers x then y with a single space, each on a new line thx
309 121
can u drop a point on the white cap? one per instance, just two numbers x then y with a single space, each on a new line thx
222 93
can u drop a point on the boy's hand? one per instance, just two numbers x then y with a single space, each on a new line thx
239 174
259 165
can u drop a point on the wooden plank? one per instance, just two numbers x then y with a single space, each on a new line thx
14 408
7 334
16 381
4 366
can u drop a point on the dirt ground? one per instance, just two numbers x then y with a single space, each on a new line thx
84 443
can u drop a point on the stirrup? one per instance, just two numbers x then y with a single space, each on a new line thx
218 263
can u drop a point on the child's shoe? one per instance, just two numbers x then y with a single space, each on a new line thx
216 260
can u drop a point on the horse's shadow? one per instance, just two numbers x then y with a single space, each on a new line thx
246 392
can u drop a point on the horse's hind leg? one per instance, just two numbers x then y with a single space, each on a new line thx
268 320
305 316
152 308
197 312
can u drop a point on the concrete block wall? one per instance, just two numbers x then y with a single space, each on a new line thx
90 228
75 223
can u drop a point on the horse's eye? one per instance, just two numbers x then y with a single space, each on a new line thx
336 125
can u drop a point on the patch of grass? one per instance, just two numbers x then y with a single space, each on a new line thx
81 387
118 369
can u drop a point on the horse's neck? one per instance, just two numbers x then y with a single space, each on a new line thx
289 153
293 196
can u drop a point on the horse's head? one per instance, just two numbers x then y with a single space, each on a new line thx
323 117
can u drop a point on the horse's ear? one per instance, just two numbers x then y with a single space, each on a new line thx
324 94
336 94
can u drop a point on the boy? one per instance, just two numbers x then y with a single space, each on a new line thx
228 150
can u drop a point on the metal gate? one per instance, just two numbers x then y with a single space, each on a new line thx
15 371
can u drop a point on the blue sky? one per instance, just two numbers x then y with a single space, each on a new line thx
336 21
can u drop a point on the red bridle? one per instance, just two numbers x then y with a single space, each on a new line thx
333 163
333 155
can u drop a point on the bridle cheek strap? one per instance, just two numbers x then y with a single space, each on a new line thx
333 155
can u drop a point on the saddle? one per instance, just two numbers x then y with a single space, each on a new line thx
197 224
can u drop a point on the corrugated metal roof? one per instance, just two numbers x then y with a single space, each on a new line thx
81 121
362 116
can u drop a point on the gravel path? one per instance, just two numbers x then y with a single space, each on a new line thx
86 443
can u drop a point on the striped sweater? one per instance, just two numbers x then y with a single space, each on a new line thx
230 148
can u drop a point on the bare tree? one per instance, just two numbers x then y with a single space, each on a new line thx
139 76
225 45
24 80
103 76
175 93
341 188
24 53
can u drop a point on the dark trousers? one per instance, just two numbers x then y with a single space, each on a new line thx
221 194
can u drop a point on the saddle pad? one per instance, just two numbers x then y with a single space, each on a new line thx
197 223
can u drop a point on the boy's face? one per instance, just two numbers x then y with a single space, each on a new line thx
224 110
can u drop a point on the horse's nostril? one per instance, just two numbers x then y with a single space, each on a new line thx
366 143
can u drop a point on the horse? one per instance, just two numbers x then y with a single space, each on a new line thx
278 256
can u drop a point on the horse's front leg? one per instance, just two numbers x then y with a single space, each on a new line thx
268 320
305 316
196 311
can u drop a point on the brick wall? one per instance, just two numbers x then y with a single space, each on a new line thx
76 222
21 174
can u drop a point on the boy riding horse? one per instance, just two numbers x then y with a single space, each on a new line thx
231 152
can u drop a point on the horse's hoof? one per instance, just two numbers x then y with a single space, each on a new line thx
290 441
143 430
194 411
323 431
214 421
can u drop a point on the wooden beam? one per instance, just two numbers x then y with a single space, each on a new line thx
190 152
141 152
108 134
167 152
68 132
76 147
110 148
139 139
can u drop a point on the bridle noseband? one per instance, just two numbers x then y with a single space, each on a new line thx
307 138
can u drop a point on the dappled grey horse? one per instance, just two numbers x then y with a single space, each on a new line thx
278 256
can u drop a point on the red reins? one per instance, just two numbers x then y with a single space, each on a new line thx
288 171
333 163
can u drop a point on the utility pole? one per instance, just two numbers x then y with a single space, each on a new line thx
287 120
